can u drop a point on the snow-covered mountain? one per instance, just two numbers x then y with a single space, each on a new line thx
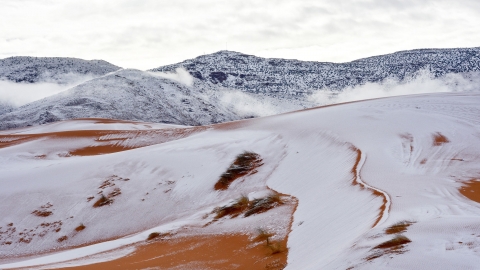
271 76
60 70
227 86
144 96
26 79
128 95
5 107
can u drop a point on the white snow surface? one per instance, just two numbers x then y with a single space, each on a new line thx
219 87
307 154
90 124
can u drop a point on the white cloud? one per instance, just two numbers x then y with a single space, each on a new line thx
180 75
245 105
150 33
18 94
423 83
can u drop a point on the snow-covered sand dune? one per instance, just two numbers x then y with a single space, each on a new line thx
377 182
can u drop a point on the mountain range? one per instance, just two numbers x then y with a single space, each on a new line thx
62 70
218 87
292 77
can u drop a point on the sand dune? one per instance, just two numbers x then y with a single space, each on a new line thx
380 184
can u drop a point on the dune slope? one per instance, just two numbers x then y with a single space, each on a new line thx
377 184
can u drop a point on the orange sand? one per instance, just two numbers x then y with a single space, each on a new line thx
107 121
195 252
235 251
471 190
375 192
439 139
102 146
199 252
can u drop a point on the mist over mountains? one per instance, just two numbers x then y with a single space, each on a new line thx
126 94
222 86
26 79
291 77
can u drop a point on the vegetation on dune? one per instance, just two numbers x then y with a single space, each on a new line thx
81 227
102 201
245 163
234 209
263 235
274 247
396 243
263 204
244 205
398 227
63 238
42 213
156 235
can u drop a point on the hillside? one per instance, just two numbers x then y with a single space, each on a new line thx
293 78
228 86
127 95
138 96
381 184
5 107
61 70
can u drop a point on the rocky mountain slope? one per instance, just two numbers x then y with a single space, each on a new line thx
128 95
51 69
291 77
5 108
223 86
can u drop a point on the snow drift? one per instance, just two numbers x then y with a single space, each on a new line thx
377 184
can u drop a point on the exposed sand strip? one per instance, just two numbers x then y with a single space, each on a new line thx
190 251
81 252
198 252
357 180
105 141
471 190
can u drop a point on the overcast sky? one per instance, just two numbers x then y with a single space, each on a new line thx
149 33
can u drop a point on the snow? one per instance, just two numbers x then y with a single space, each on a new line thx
59 70
283 77
90 124
97 258
388 200
223 86
132 95
307 154
98 248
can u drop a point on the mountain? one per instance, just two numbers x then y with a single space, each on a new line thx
284 77
389 183
227 86
5 107
128 95
61 70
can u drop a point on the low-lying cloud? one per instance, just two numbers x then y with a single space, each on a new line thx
424 82
17 94
180 75
69 79
246 105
